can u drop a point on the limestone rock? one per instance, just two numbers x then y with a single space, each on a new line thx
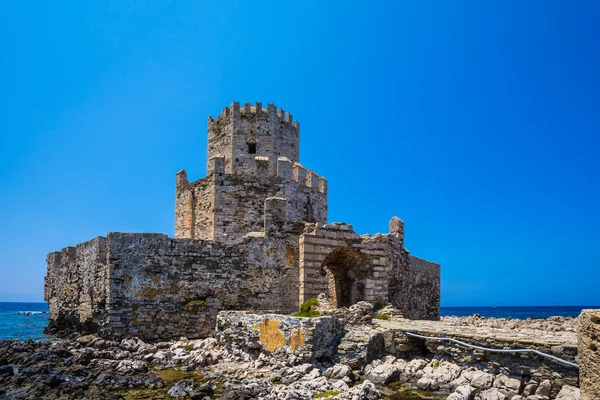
464 392
568 393
364 391
492 394
384 374
482 380
338 371
183 388
544 389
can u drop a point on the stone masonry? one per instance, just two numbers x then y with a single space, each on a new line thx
589 354
251 235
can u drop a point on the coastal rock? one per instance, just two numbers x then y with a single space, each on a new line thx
279 336
492 394
464 392
338 371
530 389
511 385
544 389
359 346
384 374
481 380
568 392
7 370
129 366
183 388
364 391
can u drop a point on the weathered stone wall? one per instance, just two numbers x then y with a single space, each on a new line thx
368 270
76 286
588 338
414 284
155 287
194 207
166 288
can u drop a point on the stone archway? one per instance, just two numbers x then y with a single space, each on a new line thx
345 272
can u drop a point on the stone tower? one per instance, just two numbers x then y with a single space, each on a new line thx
253 154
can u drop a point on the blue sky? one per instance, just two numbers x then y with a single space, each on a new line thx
477 123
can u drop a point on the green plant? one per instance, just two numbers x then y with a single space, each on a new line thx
382 316
308 304
327 394
188 347
194 305
306 309
436 363
377 306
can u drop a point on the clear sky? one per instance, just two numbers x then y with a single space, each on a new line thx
477 123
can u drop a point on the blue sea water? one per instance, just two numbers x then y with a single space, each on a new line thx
22 321
516 312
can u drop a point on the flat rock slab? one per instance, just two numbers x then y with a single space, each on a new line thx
502 335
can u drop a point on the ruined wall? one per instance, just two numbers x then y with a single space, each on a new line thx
76 286
194 207
588 338
414 284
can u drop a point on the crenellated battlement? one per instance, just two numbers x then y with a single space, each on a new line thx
272 112
297 173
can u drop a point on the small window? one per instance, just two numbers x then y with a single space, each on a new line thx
252 148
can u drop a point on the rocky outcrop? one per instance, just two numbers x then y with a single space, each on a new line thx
287 338
262 356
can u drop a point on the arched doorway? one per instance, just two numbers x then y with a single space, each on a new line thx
345 272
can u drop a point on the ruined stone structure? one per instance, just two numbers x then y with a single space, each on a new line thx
251 235
589 354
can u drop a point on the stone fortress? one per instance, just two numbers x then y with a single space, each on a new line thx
252 235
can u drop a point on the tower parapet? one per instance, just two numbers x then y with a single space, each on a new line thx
239 134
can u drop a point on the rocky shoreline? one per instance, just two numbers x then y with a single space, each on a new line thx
89 367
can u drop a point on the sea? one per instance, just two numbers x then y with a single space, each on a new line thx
23 321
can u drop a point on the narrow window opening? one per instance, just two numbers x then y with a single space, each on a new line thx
252 148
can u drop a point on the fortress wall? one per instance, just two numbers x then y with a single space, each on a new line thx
306 193
194 205
75 285
239 204
220 131
414 283
239 199
163 288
